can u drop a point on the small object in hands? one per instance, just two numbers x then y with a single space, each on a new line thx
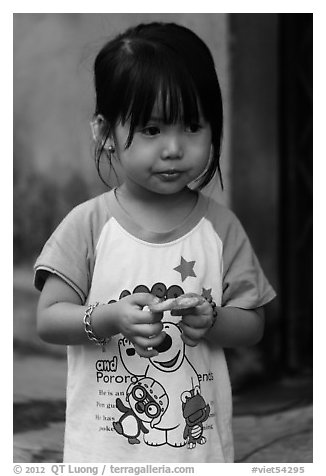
185 301
102 341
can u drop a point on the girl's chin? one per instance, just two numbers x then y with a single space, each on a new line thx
159 186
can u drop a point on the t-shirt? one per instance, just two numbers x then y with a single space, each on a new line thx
175 407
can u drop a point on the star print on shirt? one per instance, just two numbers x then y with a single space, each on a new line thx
185 268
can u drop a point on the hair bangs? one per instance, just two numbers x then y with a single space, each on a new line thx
178 100
157 88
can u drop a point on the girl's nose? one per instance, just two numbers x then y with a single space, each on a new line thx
173 148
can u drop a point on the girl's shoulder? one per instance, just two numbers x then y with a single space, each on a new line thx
70 250
221 216
92 211
226 224
85 222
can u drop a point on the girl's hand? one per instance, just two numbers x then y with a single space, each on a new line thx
142 327
195 322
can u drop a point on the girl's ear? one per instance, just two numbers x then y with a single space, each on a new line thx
98 127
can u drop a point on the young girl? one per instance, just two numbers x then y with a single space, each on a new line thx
146 385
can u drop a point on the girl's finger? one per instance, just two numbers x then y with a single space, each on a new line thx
188 341
142 299
191 333
183 312
147 317
150 342
197 322
148 330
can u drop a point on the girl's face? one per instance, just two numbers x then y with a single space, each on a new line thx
163 158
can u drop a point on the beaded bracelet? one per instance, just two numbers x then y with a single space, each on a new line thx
102 341
213 304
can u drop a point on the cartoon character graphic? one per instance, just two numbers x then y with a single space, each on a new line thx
195 412
132 362
129 425
174 372
148 402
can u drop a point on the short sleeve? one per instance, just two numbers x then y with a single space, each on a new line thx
244 282
69 252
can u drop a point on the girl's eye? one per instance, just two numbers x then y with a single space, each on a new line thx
193 128
151 130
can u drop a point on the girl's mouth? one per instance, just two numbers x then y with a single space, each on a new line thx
169 175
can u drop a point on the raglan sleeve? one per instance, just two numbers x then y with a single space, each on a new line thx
244 282
68 253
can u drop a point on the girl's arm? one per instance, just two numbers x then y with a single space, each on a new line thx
60 315
60 318
237 327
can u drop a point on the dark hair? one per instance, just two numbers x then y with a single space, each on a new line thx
158 61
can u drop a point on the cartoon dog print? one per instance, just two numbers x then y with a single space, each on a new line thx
175 373
132 362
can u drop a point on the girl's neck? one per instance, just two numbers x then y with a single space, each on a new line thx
156 212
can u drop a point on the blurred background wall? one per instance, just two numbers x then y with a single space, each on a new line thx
264 63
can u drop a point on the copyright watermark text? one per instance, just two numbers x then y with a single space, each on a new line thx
62 469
